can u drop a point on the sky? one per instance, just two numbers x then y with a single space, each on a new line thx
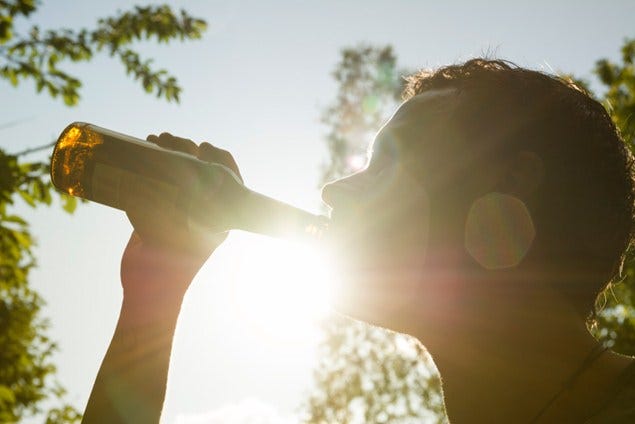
255 85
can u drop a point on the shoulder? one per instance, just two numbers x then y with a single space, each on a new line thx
621 406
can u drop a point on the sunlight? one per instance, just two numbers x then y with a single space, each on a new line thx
281 289
357 162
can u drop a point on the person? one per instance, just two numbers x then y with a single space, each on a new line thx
497 203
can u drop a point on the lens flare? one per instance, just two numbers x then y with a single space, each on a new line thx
499 231
356 162
282 290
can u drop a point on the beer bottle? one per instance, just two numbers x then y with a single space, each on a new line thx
127 173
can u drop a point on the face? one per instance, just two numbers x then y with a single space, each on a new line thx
380 217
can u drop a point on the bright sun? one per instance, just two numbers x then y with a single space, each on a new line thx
282 289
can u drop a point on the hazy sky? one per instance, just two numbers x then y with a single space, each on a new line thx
255 85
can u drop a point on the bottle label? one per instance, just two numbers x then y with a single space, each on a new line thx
127 191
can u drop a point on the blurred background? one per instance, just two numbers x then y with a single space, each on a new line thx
295 90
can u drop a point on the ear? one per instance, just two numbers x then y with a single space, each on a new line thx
524 174
499 231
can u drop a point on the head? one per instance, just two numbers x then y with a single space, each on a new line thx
477 139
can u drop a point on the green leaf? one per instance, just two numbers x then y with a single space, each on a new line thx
13 77
6 395
5 29
14 218
628 52
69 203
71 98
23 238
27 197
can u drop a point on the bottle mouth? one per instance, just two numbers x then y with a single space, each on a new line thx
70 135
60 168
71 150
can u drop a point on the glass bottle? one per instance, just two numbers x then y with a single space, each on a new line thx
128 173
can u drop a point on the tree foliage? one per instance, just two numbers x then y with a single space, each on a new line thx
25 349
27 373
38 54
363 375
369 85
367 374
616 316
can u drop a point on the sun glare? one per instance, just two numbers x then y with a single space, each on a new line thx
281 289
357 162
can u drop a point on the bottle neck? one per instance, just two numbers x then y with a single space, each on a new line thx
263 215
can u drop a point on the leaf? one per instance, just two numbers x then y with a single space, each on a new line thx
605 71
71 98
69 203
6 395
27 197
13 77
23 238
14 218
628 52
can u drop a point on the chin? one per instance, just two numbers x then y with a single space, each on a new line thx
376 300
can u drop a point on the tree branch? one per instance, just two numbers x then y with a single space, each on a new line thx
34 149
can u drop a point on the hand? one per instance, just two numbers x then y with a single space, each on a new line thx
162 256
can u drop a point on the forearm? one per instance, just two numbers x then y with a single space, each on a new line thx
131 383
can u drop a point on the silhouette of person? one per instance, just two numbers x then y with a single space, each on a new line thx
496 204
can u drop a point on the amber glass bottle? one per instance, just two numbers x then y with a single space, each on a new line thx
128 173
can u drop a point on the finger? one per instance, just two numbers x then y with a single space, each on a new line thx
210 153
168 141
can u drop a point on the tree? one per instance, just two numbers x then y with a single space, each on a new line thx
369 375
27 375
616 307
369 88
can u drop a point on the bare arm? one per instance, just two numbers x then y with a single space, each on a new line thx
130 386
131 383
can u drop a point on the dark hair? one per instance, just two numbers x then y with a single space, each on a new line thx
583 211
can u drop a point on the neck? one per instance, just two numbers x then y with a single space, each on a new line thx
503 356
504 348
